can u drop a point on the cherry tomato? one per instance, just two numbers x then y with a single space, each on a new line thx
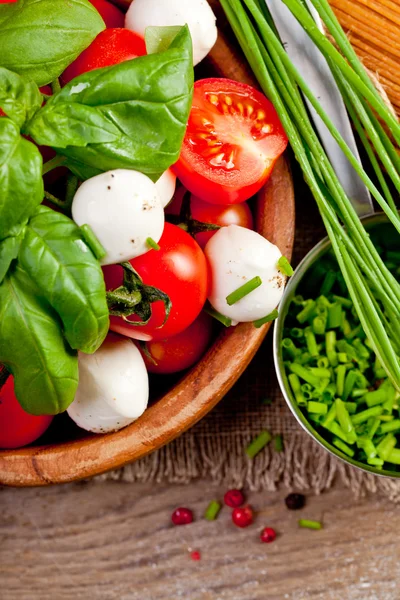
17 427
232 141
110 47
110 14
179 269
182 350
219 214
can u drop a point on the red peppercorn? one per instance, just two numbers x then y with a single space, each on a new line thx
195 555
268 535
234 498
182 516
242 517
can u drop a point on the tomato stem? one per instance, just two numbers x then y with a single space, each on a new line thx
57 161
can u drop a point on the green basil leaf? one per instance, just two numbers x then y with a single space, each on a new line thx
33 348
40 38
148 99
72 124
19 99
21 181
9 249
68 276
159 39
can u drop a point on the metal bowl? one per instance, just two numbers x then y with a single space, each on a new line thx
370 222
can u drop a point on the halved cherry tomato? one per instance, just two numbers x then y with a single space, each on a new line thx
17 427
179 269
232 141
110 14
181 351
110 47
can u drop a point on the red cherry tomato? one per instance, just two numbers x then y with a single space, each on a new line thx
219 214
232 141
17 427
110 47
110 14
182 350
179 269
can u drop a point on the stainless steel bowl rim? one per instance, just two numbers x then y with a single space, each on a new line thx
316 252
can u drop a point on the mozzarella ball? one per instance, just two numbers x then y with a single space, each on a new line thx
123 209
113 389
197 14
166 187
236 255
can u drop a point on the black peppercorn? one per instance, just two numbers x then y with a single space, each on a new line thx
295 501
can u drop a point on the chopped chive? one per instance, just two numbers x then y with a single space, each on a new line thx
330 344
338 431
258 444
243 290
267 319
394 457
321 372
343 447
364 415
342 357
290 348
376 397
334 316
212 510
319 325
330 417
323 362
328 282
311 342
267 401
385 447
285 267
390 426
376 462
92 241
346 302
373 424
317 407
296 332
152 244
307 312
341 372
345 421
296 387
349 383
216 315
278 443
305 374
307 524
351 407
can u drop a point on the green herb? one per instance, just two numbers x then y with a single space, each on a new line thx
307 524
92 241
258 444
40 38
278 443
152 244
212 510
216 315
362 268
243 290
100 126
19 99
285 267
267 319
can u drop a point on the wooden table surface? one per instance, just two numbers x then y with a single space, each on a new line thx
106 541
113 541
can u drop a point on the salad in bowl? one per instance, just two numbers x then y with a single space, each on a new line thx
125 231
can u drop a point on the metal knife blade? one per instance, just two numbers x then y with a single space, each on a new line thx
315 70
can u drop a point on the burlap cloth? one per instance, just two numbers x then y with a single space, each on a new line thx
214 448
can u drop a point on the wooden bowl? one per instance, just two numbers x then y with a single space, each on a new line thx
204 385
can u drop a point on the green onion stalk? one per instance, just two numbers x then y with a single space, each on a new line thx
373 289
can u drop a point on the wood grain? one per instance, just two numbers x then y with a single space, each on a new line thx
112 541
185 403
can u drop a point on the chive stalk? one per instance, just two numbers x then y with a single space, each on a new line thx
243 290
258 444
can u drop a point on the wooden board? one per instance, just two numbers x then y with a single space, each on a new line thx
114 541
